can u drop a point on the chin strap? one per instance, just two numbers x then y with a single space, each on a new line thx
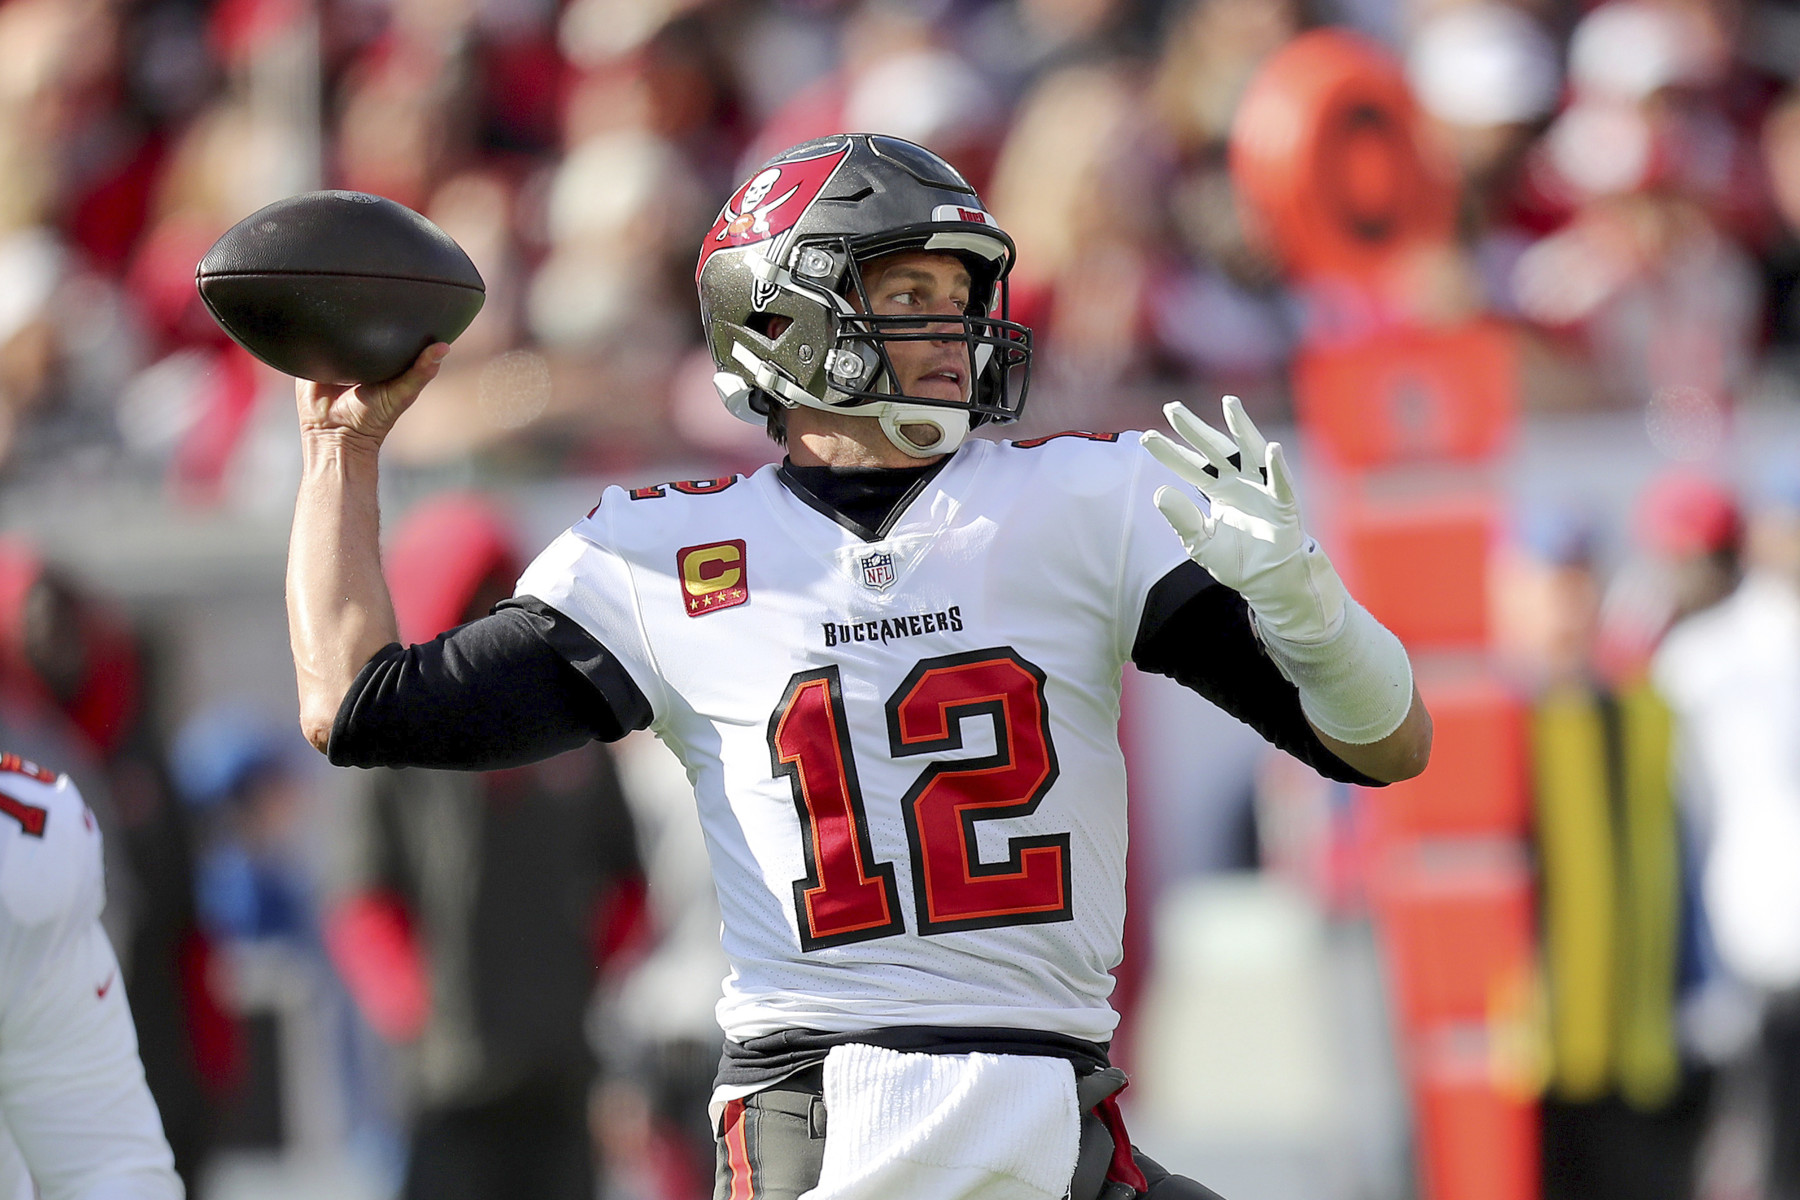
952 425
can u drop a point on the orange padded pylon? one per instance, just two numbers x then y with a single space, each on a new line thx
1405 424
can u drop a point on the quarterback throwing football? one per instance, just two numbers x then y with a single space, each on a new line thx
891 666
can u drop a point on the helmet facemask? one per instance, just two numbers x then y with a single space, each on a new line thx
859 371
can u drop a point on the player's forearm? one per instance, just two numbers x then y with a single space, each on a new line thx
1400 755
339 610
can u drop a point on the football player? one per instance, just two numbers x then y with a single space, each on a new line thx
76 1118
891 666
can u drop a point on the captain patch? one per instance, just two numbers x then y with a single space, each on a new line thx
712 577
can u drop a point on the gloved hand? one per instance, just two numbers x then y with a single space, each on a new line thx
1252 541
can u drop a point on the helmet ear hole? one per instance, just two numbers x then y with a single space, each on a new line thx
767 325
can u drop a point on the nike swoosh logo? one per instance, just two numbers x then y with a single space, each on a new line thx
103 988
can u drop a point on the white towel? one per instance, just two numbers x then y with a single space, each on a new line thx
947 1126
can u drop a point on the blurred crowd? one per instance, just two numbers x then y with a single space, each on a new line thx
1629 203
1630 197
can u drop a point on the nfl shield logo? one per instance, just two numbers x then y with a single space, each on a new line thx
878 571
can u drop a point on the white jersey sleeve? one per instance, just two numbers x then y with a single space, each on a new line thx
1150 549
584 578
80 1121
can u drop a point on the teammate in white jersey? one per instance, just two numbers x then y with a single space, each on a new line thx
891 666
76 1118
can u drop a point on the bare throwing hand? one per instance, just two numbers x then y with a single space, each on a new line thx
366 410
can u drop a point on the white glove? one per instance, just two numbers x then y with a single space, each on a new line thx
1252 541
1352 673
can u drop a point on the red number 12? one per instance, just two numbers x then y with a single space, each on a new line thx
848 897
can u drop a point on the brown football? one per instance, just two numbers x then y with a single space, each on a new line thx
339 287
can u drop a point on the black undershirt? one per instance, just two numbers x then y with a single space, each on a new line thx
527 682
865 500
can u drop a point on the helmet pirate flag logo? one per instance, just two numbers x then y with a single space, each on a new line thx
753 214
770 204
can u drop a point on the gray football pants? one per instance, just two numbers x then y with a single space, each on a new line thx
776 1145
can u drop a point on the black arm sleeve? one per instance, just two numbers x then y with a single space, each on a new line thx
521 684
1198 633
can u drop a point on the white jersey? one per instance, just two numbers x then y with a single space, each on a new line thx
1732 675
905 751
76 1117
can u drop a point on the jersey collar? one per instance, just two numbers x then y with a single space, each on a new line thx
851 496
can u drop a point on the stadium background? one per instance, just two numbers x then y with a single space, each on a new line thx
1625 182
